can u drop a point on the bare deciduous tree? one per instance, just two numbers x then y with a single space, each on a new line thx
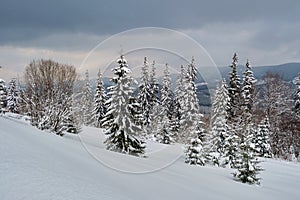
278 105
49 89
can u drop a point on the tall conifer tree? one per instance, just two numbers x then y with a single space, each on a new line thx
99 102
122 130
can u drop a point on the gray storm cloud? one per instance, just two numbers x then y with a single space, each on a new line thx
264 31
31 19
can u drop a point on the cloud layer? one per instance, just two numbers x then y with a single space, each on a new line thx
264 31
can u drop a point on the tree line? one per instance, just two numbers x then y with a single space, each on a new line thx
248 119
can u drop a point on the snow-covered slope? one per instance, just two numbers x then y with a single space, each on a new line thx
40 165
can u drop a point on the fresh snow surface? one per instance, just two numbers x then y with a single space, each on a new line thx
37 165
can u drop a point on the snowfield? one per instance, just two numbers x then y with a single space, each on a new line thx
37 165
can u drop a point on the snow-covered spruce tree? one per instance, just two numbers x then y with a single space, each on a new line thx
231 149
175 120
155 118
155 102
262 139
180 90
248 94
234 116
145 95
247 165
166 109
247 102
13 97
195 153
219 127
234 91
297 98
166 93
100 98
3 94
164 134
179 95
86 101
190 113
71 122
192 70
23 102
76 108
247 159
154 86
121 129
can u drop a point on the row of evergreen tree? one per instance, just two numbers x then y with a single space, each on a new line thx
155 112
9 96
234 138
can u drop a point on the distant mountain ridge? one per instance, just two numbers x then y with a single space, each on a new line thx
288 71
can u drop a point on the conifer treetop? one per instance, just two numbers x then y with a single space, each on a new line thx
192 70
122 70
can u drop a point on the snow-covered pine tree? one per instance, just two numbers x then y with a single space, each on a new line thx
195 153
154 86
155 118
166 109
145 95
179 89
155 103
248 94
190 113
179 95
192 70
247 165
164 134
166 94
121 128
100 98
231 149
234 91
3 95
234 116
13 97
219 127
76 108
86 101
175 120
297 98
23 102
262 139
70 122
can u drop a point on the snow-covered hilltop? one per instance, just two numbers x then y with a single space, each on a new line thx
35 165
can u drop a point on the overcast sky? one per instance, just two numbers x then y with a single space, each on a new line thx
265 31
